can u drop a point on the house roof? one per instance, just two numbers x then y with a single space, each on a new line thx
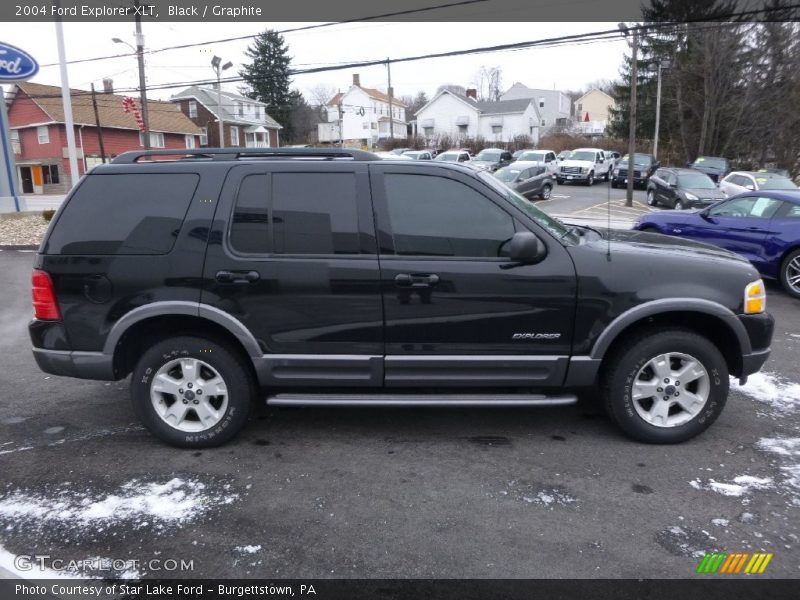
485 107
208 98
163 116
610 97
371 92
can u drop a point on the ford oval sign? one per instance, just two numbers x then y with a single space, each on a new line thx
16 64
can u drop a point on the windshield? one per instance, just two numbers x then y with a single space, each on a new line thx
553 225
714 163
582 155
507 175
488 155
412 154
696 181
775 183
638 159
448 157
537 156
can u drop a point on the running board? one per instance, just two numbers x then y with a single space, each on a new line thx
382 399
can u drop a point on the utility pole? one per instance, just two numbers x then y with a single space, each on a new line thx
391 93
99 130
142 87
658 105
216 64
632 133
341 125
66 99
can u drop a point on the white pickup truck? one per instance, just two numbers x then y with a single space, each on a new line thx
585 165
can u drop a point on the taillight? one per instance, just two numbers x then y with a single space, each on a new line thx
45 306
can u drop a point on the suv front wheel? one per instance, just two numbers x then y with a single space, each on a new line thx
666 386
191 392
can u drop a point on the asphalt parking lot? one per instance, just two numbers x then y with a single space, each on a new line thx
313 493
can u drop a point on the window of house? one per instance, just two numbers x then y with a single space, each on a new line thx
204 136
156 139
541 102
234 136
497 129
43 133
189 141
580 108
462 129
436 216
192 110
50 174
241 109
298 220
544 122
428 131
258 112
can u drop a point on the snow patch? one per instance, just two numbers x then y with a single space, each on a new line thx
774 391
720 522
248 549
741 485
135 504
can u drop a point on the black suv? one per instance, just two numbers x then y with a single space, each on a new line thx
331 277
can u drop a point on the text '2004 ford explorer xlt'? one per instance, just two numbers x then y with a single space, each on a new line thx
331 277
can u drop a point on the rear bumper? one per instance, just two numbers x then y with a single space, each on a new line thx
70 363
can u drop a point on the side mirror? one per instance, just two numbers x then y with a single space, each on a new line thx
750 187
526 248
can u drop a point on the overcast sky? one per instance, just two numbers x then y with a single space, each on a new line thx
563 67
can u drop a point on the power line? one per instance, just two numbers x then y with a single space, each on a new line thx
283 31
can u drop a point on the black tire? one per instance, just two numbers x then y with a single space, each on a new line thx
241 390
560 181
651 198
794 255
614 183
590 179
545 193
650 230
607 176
625 363
678 205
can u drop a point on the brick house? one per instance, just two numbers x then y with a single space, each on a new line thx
245 121
39 136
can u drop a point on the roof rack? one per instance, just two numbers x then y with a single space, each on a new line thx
128 158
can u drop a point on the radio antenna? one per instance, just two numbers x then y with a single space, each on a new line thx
608 217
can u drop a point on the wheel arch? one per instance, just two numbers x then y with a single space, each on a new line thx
710 319
149 323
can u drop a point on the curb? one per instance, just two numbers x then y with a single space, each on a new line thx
19 247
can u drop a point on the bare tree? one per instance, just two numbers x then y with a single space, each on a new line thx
452 87
488 81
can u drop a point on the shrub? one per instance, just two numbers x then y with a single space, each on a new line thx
47 214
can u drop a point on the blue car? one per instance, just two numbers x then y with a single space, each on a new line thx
762 226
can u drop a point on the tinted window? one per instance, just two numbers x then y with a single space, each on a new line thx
749 206
124 214
793 212
250 227
434 216
309 213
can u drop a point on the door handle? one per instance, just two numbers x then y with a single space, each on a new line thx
415 280
237 276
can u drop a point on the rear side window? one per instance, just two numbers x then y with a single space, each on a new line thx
299 213
435 216
137 213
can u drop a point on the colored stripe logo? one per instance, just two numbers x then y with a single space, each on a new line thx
734 563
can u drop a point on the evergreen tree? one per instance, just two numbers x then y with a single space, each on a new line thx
267 77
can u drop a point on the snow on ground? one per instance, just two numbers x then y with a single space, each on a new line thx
248 549
740 486
770 389
135 504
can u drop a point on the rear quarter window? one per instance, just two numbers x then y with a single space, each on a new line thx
131 213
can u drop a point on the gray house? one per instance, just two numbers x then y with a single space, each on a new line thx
554 106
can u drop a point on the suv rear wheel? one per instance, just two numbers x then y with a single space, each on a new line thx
666 386
545 193
651 197
191 392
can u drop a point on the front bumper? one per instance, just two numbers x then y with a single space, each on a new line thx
572 176
759 330
617 179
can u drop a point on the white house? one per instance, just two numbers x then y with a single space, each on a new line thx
363 114
457 116
554 105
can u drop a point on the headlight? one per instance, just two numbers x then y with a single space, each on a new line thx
584 169
755 298
616 171
690 196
